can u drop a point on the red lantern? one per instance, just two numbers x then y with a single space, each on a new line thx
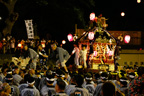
95 53
92 16
127 39
110 53
19 45
91 35
70 37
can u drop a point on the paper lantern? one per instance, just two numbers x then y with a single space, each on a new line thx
92 16
63 42
91 35
70 37
110 53
95 53
127 39
19 45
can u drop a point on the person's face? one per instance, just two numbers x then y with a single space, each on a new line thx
53 46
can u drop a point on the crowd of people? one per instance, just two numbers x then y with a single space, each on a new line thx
47 73
9 45
76 82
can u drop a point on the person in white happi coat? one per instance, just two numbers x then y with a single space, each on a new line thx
49 88
24 84
90 85
14 88
79 90
83 56
76 51
69 88
16 77
30 90
60 87
98 89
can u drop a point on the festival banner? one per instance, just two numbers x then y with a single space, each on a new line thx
29 28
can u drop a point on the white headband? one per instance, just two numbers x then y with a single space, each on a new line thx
131 76
122 80
88 78
9 78
103 77
31 83
60 75
52 79
9 72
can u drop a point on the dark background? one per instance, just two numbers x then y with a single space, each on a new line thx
58 18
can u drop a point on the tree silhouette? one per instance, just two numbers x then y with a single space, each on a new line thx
12 14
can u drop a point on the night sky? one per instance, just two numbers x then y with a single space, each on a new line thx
59 17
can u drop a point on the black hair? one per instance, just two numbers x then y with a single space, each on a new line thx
87 76
74 76
140 71
104 74
26 77
12 63
79 80
123 81
15 67
61 84
30 79
60 72
97 75
108 89
8 78
49 74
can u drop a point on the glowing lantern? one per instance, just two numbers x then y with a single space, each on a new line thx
122 14
43 45
110 53
19 45
63 42
95 53
138 1
70 37
127 39
91 35
92 16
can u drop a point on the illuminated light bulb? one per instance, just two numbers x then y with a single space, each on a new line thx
138 1
122 14
63 42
